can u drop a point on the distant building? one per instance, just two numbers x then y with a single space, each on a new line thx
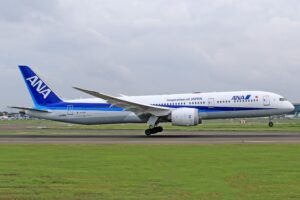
297 109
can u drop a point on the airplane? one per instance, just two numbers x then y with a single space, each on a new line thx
179 109
4 117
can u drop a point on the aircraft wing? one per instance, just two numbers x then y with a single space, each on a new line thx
135 107
30 109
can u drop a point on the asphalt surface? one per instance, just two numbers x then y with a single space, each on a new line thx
176 137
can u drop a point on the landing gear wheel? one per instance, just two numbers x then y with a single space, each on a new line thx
154 130
271 124
148 132
159 129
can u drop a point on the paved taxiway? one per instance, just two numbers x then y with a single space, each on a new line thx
170 137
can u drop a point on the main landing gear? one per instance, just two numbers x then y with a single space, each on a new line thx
153 130
271 124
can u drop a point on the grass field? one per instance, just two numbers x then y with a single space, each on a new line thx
49 127
150 172
204 172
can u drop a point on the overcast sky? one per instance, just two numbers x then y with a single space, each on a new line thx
137 47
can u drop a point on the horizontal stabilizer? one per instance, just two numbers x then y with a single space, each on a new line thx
30 109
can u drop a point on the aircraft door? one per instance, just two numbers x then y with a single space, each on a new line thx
211 102
70 109
266 100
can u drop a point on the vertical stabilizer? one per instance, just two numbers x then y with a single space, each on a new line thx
40 93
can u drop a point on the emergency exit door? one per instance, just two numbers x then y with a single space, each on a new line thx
266 100
70 109
211 102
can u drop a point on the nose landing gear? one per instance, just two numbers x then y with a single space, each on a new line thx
271 124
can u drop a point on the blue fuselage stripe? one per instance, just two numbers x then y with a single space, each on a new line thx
109 107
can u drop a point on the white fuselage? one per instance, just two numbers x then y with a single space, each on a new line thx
215 105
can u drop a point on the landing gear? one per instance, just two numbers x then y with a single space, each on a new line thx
271 124
153 126
154 130
148 132
159 129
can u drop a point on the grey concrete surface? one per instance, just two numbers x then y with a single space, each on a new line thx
176 137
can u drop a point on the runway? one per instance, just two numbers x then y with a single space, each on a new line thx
170 137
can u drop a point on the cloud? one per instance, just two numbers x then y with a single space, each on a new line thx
151 47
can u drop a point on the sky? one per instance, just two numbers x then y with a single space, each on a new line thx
142 47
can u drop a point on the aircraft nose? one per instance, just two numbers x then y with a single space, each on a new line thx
291 107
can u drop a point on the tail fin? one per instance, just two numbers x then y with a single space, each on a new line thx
40 93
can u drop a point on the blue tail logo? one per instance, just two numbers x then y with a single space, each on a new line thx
39 85
40 93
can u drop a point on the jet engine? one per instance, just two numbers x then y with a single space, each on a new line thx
185 117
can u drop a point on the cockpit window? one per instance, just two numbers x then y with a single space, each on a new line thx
282 99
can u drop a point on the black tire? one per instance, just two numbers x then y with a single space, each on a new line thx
271 124
159 129
148 132
154 130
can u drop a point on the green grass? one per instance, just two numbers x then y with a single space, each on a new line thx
49 127
202 172
150 172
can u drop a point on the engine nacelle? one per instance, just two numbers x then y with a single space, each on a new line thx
185 117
